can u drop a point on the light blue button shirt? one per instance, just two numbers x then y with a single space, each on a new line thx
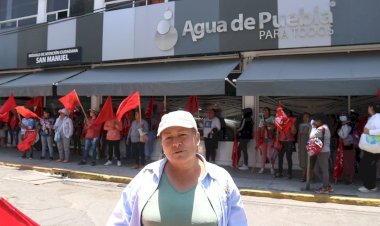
218 185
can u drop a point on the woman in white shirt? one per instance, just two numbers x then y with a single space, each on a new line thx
369 160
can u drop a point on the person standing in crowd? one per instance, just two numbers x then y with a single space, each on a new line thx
139 127
64 128
78 119
91 134
211 126
321 168
369 160
113 128
345 135
159 195
304 130
3 136
266 135
333 125
46 134
244 132
152 134
14 128
287 139
27 128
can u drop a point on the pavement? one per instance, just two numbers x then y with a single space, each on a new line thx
250 182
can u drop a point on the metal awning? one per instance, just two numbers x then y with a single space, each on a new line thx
37 84
4 78
341 74
172 79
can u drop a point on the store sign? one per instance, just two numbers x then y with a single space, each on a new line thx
303 24
54 57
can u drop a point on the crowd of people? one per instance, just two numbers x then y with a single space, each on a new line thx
68 132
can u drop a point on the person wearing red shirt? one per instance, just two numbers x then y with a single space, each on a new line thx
92 134
14 128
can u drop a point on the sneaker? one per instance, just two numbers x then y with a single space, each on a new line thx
330 188
244 167
364 189
272 171
93 163
82 162
322 190
118 163
108 163
261 171
279 175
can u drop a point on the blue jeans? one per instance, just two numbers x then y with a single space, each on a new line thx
13 133
47 143
90 143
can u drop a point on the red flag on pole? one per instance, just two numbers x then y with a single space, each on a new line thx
192 104
338 168
26 113
8 105
149 109
27 142
4 117
234 156
70 101
36 102
10 215
129 103
106 113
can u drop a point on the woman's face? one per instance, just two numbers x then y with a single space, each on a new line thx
370 110
306 118
180 144
266 113
317 123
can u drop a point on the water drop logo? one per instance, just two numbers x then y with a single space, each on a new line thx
166 35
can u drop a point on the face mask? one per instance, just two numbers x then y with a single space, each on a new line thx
343 118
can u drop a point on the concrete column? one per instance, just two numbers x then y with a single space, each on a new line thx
98 4
41 11
95 102
8 11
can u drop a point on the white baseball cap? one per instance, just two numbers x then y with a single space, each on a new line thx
177 118
64 111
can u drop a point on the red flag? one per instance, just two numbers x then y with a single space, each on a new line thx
234 156
70 101
378 93
106 113
282 121
26 113
149 109
129 103
27 142
37 103
338 168
192 104
8 105
10 215
4 117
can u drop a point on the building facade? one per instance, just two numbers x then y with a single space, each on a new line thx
258 51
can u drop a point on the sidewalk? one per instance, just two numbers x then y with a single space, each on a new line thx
250 183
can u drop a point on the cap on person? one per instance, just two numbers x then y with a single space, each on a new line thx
177 118
64 111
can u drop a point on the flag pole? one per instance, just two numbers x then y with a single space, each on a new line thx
80 104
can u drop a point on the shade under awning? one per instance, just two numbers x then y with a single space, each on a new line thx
177 78
37 84
4 78
312 75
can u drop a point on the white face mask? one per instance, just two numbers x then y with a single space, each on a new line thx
343 118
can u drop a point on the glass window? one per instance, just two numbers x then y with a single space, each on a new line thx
27 22
3 9
56 5
80 7
8 25
51 17
22 8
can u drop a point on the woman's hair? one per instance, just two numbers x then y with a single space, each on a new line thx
376 107
266 108
320 117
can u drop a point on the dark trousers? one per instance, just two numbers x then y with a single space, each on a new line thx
243 143
113 144
138 150
287 148
211 145
368 169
